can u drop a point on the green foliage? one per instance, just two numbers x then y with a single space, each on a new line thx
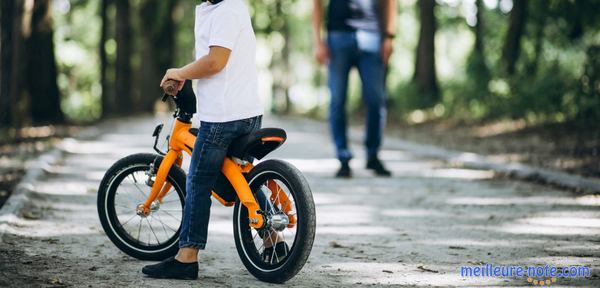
542 97
76 45
588 98
556 79
471 97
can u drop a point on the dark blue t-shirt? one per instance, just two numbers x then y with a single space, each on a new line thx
352 15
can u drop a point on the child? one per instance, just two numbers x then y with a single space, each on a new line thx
228 107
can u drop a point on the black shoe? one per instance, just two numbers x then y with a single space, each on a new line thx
172 269
344 171
281 251
376 165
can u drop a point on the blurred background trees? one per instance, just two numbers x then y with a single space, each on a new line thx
79 61
425 75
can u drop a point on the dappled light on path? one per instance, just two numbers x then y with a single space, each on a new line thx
416 228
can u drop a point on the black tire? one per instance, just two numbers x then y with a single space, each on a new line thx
299 189
108 214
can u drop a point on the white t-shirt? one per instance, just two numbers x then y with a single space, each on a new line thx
231 94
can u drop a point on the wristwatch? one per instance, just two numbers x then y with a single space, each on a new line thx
389 35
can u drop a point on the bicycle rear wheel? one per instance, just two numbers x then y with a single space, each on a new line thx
126 185
266 264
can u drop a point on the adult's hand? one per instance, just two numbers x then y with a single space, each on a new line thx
387 47
322 53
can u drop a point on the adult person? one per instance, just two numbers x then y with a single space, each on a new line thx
359 34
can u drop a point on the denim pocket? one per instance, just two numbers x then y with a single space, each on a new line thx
368 41
248 121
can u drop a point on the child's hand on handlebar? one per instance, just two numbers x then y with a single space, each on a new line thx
173 74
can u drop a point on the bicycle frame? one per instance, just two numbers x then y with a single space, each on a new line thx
183 141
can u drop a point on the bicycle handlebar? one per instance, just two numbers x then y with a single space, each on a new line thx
170 88
184 99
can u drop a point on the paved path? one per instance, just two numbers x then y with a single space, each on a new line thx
414 229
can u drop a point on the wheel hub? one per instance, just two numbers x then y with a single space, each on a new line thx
140 211
278 221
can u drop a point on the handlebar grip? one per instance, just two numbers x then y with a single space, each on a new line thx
170 87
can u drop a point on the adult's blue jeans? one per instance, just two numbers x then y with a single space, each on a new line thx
208 155
361 50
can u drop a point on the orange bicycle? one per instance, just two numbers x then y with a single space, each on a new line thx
141 199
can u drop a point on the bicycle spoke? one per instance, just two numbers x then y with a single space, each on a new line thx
283 236
277 196
140 229
122 206
129 220
274 253
266 200
270 237
171 215
165 225
171 201
261 246
135 184
139 189
133 176
150 225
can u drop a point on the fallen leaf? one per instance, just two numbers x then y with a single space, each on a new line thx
457 247
31 214
427 269
334 244
56 280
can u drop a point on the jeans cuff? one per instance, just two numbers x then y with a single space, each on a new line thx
199 246
372 154
344 155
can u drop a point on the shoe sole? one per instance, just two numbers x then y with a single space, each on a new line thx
378 174
165 277
343 176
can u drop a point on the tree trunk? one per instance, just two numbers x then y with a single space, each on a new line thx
425 74
158 50
7 20
108 99
512 44
41 69
123 97
539 39
479 28
17 64
281 63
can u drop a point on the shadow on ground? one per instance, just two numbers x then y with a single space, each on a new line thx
414 229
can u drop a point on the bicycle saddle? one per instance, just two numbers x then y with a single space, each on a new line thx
256 144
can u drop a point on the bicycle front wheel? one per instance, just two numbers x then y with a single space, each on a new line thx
277 252
126 185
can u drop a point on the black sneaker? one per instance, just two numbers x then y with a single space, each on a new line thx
376 165
170 268
281 251
344 171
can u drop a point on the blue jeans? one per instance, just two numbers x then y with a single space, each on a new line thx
354 49
208 155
